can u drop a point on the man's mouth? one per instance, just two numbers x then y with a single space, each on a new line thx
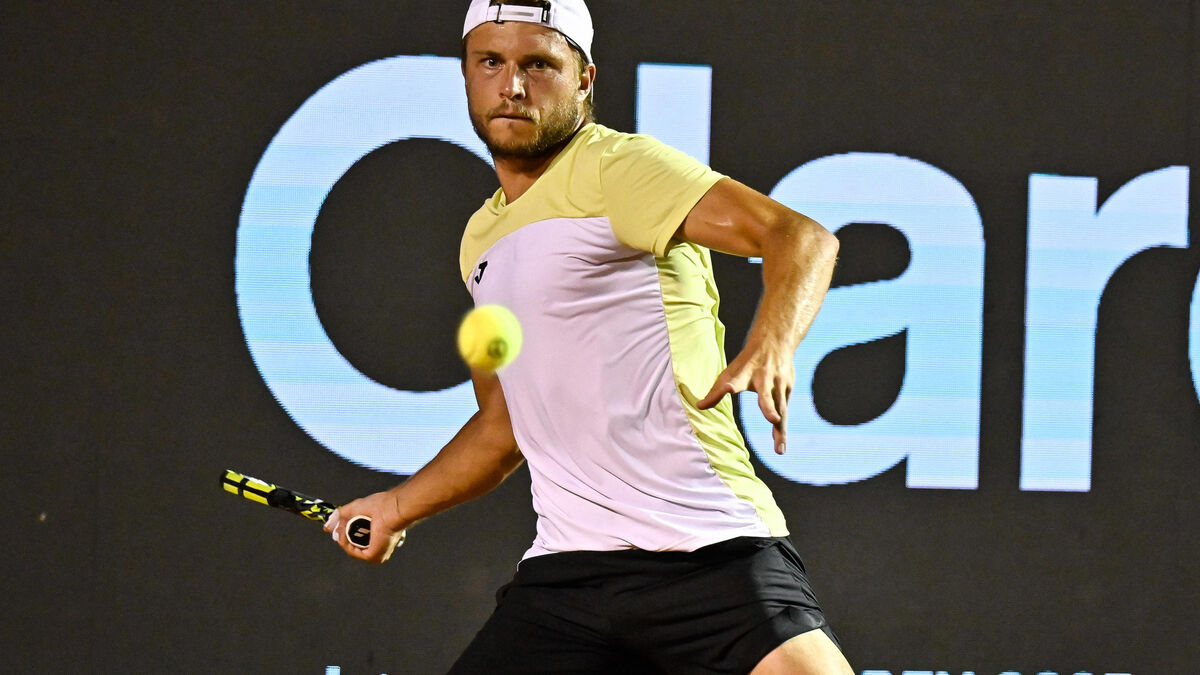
511 116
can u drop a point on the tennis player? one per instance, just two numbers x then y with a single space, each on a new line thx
658 550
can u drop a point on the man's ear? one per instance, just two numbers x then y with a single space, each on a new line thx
587 80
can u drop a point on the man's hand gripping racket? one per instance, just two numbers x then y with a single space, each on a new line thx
357 529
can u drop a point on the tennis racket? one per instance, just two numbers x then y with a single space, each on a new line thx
358 529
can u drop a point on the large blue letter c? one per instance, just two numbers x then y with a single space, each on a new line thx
366 108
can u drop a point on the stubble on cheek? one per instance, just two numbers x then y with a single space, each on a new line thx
544 132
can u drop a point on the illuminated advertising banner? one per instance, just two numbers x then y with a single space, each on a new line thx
937 303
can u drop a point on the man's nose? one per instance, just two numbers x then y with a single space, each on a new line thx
514 84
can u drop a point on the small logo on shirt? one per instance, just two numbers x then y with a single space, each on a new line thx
482 267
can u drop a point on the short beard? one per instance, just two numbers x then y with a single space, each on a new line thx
554 130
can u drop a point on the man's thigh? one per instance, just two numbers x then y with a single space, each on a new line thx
811 653
749 598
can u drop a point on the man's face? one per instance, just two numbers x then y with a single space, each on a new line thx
524 89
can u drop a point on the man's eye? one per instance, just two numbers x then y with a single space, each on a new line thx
539 65
490 63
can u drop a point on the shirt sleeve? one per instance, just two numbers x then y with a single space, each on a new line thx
649 188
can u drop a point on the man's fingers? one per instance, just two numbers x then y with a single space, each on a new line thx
732 380
376 508
779 395
782 393
389 549
767 402
773 401
369 554
777 418
779 432
381 548
719 391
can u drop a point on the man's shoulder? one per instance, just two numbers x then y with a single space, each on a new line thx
489 208
600 140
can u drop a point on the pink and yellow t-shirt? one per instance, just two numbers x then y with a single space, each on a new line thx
621 339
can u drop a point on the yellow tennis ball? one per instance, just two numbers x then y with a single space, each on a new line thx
489 337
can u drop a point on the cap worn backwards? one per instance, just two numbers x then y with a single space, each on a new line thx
569 17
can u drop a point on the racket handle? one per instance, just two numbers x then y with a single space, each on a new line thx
358 531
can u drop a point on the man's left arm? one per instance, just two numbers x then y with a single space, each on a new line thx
798 256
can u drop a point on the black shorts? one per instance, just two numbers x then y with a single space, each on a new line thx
719 609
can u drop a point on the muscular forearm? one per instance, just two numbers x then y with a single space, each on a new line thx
480 456
798 258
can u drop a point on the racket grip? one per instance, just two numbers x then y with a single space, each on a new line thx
358 531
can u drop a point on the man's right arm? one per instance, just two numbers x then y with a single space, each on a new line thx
479 457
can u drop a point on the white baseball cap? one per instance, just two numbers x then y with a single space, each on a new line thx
569 17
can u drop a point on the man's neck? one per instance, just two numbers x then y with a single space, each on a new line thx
518 174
